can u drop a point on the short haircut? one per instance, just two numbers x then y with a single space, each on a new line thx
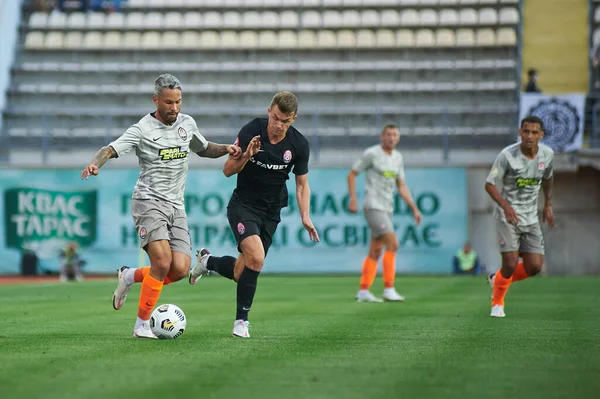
165 81
532 72
532 119
286 102
389 126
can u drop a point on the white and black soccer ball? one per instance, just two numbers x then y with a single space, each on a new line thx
168 321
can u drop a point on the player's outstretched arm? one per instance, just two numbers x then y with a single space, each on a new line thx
103 155
405 194
303 199
214 150
235 165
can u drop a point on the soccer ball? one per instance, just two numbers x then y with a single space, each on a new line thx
168 321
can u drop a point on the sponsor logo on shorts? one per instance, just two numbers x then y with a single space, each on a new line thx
168 154
182 133
502 243
527 181
382 226
241 228
541 167
143 233
287 156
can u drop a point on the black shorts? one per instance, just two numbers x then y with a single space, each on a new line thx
246 221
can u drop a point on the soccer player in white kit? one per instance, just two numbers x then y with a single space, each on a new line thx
162 141
384 167
521 168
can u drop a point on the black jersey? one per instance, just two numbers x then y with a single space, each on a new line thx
262 182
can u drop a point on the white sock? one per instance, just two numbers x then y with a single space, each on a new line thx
128 276
391 289
139 322
362 291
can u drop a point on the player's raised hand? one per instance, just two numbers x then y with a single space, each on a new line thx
91 169
253 147
353 205
511 215
234 151
548 216
312 230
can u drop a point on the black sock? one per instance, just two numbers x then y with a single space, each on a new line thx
223 265
246 287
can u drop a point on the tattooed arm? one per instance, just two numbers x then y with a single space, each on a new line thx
218 150
103 155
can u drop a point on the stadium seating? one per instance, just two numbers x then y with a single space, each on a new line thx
432 66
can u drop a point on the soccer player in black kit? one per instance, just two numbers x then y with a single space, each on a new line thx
272 148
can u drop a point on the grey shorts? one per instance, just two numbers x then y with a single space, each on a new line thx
157 220
380 222
513 238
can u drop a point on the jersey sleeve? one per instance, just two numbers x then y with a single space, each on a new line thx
498 170
401 175
198 142
301 164
362 163
549 172
127 141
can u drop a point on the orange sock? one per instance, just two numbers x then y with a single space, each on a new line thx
140 273
501 285
149 295
389 269
369 271
520 273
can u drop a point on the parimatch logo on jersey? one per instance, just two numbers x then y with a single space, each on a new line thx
167 154
524 182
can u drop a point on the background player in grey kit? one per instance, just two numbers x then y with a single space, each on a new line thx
260 194
385 171
162 141
521 168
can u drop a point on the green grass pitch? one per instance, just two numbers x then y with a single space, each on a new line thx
309 340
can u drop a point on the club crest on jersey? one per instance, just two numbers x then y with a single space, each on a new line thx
182 133
541 167
241 228
287 156
143 233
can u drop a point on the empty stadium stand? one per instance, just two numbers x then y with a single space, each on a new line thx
437 68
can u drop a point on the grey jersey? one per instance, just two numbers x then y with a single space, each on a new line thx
521 179
383 170
163 156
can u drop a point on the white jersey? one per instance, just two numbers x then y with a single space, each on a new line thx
521 179
163 156
383 170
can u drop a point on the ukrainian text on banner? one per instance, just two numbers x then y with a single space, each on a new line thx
43 210
563 117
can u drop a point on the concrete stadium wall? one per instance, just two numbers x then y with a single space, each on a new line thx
572 247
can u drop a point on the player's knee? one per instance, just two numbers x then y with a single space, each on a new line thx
178 272
375 254
392 247
161 263
254 261
533 268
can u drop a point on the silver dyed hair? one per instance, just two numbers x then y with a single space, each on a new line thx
166 81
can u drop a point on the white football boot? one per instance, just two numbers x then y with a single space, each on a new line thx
366 296
497 311
390 295
120 294
143 330
240 329
201 268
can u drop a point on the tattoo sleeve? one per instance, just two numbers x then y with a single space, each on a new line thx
103 155
214 150
548 186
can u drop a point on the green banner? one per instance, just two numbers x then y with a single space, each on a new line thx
33 216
